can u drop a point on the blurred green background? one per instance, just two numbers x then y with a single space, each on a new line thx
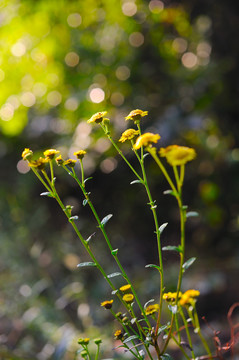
62 61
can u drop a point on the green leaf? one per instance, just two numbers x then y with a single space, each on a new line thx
148 302
163 327
114 252
130 338
85 201
136 182
144 156
192 214
173 308
47 193
114 292
172 248
114 275
153 266
169 192
184 207
106 219
90 237
85 264
188 263
166 357
74 217
87 179
162 227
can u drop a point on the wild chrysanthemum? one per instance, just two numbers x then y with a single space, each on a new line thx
84 341
128 298
146 140
118 335
128 135
80 154
97 118
59 160
107 304
151 309
50 153
27 154
70 162
189 297
136 115
125 287
39 164
177 155
171 296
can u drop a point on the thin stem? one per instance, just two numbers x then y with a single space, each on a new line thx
187 331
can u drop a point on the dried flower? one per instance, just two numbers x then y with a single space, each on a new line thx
177 155
107 304
136 115
146 140
128 135
97 118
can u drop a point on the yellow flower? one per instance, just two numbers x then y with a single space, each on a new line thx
171 296
80 154
189 297
128 135
136 115
59 160
125 287
146 140
151 309
128 298
118 335
107 304
177 155
70 162
84 341
97 118
51 153
27 154
39 164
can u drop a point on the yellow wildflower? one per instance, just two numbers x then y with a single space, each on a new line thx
59 160
39 164
151 309
84 341
80 154
189 297
177 155
97 118
70 162
27 154
171 296
136 115
107 304
118 335
128 135
128 298
51 153
125 287
146 140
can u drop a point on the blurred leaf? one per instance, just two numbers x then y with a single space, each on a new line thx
172 248
162 227
85 264
188 263
106 219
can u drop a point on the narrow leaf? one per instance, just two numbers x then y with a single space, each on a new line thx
130 338
169 192
148 302
192 214
172 248
114 252
46 194
133 321
166 357
87 179
136 182
85 264
173 308
85 201
74 217
188 263
106 219
145 155
162 227
163 327
90 237
114 292
114 275
153 266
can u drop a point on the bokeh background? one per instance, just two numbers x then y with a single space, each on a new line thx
62 61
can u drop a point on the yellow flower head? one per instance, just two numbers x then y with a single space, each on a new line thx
70 162
27 154
51 153
128 298
80 154
189 297
136 115
146 140
128 135
177 155
171 296
151 309
107 304
84 341
97 118
125 287
59 160
118 335
39 164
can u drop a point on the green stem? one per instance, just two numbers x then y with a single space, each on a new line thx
187 331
